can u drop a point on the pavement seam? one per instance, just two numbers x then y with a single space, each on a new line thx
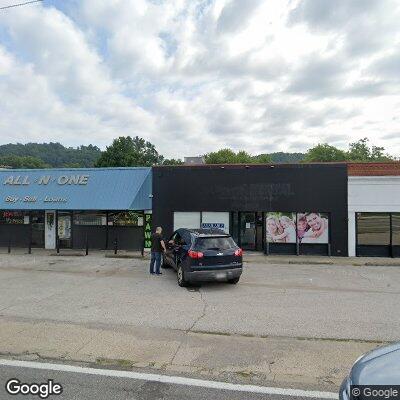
187 331
95 336
103 327
203 314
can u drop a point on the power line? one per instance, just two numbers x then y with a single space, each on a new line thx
20 4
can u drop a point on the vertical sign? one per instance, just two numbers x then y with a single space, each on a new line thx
147 231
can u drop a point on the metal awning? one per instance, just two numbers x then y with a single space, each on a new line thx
76 189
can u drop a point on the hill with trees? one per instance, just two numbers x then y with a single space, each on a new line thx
52 155
135 152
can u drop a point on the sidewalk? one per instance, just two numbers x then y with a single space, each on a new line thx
309 363
249 257
261 258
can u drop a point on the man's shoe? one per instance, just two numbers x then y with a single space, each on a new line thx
159 273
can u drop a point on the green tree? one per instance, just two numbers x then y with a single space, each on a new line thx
361 152
129 152
281 157
223 156
262 159
54 154
172 161
27 162
324 152
228 156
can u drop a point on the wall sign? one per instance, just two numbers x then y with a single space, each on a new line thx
147 230
15 181
213 225
25 180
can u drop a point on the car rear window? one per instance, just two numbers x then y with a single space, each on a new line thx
215 243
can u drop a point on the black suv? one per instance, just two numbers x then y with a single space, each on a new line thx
200 255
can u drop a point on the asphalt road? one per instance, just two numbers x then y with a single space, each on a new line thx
78 386
341 302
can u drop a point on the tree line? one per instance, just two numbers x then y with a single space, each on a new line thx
134 152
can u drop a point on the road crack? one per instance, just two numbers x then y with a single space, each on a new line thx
203 314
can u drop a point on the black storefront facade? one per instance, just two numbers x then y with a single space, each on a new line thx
278 209
74 208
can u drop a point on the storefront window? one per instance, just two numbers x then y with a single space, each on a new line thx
125 218
189 220
14 217
280 227
217 220
307 227
313 227
90 218
373 228
396 229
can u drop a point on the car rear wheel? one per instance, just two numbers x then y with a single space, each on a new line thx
182 282
234 281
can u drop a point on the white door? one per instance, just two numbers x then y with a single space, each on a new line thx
50 230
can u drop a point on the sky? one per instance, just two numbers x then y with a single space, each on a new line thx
194 76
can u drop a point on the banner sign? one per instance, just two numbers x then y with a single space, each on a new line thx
147 231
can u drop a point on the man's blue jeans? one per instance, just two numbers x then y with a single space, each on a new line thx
155 259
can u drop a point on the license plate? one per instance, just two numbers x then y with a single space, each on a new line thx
220 275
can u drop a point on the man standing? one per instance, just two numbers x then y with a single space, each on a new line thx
157 247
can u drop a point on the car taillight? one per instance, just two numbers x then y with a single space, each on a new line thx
195 254
238 252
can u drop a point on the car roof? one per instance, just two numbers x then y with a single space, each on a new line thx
206 232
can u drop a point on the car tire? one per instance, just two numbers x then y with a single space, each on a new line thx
233 281
182 282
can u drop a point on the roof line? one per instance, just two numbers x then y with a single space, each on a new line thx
75 169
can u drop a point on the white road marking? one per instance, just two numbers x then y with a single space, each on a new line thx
174 380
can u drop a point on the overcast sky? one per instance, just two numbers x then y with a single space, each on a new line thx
194 76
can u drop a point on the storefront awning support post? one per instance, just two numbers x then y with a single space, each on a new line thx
116 245
87 244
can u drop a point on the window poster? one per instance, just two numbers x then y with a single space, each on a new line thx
313 227
281 227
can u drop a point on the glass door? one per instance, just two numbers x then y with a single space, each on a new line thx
64 222
248 230
37 224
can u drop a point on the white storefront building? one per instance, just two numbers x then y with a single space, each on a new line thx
374 209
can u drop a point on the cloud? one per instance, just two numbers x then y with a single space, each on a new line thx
196 75
236 14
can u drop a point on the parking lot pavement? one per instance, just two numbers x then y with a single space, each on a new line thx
282 323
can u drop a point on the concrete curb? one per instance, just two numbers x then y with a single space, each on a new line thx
304 260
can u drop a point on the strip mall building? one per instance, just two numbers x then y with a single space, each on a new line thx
323 209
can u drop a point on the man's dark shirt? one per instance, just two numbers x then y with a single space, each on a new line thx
156 242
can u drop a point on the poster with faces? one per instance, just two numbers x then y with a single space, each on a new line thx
313 227
280 227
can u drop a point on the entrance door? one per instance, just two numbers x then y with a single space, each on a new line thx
37 224
247 230
64 223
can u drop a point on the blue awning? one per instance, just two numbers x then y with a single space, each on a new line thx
76 189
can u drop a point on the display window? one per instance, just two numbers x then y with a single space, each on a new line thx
280 227
125 218
90 218
373 229
313 227
290 227
14 217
